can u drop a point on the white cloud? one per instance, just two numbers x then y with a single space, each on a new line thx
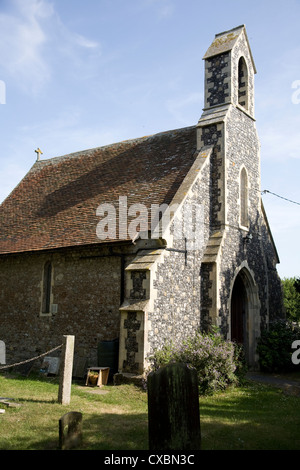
31 34
21 42
84 42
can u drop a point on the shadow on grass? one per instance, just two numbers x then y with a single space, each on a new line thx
258 417
115 432
252 417
101 432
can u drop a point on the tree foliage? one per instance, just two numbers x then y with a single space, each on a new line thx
291 298
275 347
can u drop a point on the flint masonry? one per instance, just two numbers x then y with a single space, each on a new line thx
57 277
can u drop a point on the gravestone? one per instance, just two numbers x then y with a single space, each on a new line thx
173 409
70 430
2 353
50 365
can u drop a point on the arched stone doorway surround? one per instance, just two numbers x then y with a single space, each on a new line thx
244 298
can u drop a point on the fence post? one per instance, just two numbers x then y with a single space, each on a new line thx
173 409
2 353
66 368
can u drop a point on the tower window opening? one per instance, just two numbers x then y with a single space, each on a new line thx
243 83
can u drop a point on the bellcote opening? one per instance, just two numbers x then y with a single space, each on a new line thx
243 83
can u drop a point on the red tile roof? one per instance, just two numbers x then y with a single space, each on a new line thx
55 204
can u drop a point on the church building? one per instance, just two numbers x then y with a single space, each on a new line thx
149 240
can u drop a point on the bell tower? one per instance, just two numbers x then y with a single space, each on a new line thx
228 111
229 71
227 132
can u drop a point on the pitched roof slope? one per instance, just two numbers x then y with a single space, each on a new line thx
55 204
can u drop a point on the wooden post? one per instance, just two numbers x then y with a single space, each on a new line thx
173 409
2 352
66 368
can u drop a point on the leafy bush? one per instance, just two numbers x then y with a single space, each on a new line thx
217 361
291 298
275 347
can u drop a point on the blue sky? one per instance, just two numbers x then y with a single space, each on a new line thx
77 75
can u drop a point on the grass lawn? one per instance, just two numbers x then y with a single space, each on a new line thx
252 417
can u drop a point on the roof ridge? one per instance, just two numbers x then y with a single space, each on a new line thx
107 146
241 26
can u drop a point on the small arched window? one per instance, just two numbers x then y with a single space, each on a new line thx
47 284
243 83
244 220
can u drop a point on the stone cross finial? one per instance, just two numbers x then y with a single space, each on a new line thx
39 153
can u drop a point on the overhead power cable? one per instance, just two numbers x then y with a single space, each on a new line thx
277 195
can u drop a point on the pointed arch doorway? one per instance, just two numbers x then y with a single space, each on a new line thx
245 314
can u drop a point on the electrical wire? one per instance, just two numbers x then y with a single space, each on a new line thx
281 197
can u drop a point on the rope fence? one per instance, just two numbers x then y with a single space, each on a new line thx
66 367
32 359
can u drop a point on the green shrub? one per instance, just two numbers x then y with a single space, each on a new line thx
275 347
217 361
291 298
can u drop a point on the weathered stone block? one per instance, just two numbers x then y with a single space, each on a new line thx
70 430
